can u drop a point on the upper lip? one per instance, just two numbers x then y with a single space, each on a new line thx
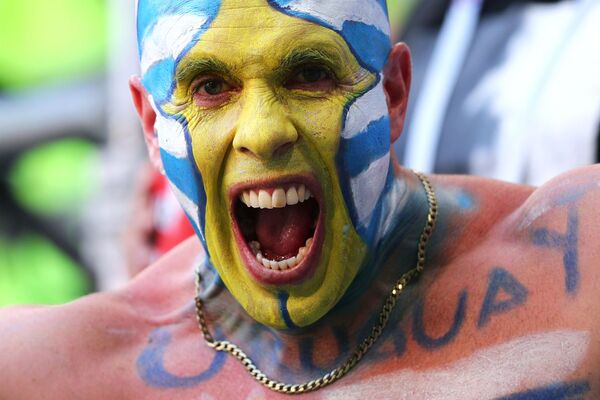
269 184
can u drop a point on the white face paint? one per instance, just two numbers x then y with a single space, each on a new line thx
336 12
169 38
171 134
368 186
368 108
171 139
530 361
395 202
190 208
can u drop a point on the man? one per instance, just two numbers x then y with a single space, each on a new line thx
273 123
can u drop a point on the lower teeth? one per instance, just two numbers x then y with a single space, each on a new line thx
284 264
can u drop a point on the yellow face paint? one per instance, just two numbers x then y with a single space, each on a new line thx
257 123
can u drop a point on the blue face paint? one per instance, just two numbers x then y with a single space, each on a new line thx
363 158
169 29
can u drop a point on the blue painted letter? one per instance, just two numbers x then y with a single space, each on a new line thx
568 243
419 327
500 279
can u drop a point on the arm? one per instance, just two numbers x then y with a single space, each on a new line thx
45 351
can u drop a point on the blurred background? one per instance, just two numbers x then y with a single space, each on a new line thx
70 147
502 88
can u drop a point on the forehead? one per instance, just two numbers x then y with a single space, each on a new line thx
252 41
169 29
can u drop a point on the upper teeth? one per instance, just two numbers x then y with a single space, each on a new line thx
279 198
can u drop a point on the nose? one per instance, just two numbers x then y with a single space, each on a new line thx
264 129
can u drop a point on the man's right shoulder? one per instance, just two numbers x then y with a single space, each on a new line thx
43 345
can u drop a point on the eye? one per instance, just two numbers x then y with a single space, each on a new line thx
311 78
312 75
212 92
212 87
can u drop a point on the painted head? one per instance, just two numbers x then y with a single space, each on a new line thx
272 120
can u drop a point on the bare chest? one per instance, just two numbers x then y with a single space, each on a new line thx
513 319
513 327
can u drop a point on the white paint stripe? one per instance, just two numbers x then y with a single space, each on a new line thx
370 107
394 202
188 206
336 12
529 361
169 38
171 134
367 187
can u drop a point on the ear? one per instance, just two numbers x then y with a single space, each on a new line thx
147 117
397 76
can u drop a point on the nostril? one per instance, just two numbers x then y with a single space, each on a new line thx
277 152
246 151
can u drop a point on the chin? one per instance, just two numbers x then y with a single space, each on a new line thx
289 251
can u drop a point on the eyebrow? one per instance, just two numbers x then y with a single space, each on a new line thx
308 56
295 59
201 66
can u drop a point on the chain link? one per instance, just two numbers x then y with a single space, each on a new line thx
364 347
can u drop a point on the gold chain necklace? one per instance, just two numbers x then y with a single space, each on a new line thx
364 347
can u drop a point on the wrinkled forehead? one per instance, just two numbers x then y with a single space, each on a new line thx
169 29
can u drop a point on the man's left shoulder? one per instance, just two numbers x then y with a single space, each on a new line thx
562 216
573 192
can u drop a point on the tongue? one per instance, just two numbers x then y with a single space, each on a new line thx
282 231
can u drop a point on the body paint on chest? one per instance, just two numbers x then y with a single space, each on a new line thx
533 361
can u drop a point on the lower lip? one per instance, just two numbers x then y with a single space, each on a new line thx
301 272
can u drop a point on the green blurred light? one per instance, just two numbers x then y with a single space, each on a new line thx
33 271
54 178
43 40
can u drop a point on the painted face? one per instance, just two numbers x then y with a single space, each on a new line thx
274 133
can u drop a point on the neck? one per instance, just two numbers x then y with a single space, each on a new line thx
401 222
312 351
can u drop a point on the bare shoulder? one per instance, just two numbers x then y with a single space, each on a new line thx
170 281
563 214
47 346
528 262
41 343
502 202
579 188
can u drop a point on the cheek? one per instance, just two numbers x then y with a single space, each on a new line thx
211 138
321 123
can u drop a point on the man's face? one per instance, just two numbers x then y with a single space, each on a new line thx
263 98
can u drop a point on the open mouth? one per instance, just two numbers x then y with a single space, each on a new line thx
278 228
